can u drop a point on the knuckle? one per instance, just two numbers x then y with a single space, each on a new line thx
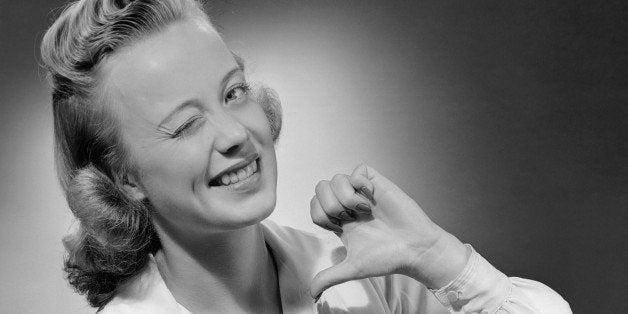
345 197
338 177
339 182
318 218
320 186
334 210
358 167
354 176
320 223
356 182
348 202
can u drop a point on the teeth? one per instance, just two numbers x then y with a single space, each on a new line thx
225 180
241 174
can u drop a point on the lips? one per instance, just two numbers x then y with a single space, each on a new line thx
237 172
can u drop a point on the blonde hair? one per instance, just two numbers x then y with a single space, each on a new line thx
115 234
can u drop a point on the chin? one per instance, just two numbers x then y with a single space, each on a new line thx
252 219
255 214
248 205
236 215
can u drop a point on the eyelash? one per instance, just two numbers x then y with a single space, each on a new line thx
245 87
183 129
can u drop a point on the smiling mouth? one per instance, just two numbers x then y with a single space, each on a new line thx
237 175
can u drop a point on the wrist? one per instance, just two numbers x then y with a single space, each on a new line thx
441 263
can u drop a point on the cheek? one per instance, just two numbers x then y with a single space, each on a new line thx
256 121
172 170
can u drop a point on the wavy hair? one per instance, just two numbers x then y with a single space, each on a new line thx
115 234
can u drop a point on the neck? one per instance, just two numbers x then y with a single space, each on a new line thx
223 272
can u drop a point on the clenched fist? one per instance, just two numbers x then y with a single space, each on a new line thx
384 232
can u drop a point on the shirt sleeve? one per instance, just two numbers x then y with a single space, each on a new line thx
481 288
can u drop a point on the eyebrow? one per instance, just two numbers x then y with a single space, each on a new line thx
195 102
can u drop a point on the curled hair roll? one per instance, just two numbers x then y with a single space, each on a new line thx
269 100
114 237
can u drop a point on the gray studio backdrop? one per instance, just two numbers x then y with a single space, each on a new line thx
505 120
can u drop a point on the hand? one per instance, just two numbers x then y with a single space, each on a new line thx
384 232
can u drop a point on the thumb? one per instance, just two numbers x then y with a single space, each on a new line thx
379 182
331 276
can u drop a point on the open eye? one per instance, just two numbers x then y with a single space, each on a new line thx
237 93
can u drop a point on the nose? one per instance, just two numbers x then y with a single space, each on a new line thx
231 135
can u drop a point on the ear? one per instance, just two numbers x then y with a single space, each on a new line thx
132 186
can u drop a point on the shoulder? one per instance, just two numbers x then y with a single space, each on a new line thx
145 293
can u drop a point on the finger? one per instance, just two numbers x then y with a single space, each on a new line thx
330 204
321 219
363 185
347 196
361 181
363 170
380 182
332 276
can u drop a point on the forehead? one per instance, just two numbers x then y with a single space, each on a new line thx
187 59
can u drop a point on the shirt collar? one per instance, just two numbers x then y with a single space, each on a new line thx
298 257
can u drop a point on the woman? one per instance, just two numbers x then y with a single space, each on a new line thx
167 159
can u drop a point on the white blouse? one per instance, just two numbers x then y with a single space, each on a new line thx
480 288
